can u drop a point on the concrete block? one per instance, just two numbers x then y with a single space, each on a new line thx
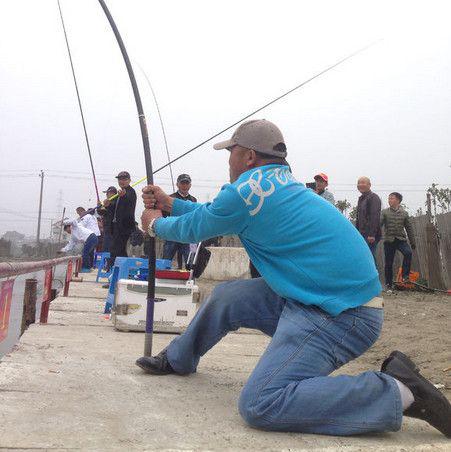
227 263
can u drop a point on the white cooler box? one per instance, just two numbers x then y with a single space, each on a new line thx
175 305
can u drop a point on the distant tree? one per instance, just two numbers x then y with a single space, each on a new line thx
353 214
343 206
444 199
5 248
13 236
440 196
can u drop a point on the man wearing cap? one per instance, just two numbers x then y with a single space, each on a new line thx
107 214
80 234
322 181
182 193
123 222
317 299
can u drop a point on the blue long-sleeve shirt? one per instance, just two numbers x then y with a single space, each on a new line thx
303 247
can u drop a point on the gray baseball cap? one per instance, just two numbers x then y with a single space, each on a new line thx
258 134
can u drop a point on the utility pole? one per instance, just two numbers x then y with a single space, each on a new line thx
61 226
41 175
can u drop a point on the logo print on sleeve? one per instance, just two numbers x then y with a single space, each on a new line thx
256 190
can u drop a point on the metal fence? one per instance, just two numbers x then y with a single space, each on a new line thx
432 256
26 289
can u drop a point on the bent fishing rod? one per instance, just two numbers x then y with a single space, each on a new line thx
148 160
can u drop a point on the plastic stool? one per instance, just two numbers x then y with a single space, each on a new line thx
101 262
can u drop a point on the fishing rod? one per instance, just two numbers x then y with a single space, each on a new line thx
79 102
148 160
329 68
149 176
161 123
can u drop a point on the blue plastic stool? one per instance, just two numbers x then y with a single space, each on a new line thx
97 259
123 267
101 261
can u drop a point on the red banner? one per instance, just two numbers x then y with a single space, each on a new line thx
47 285
6 295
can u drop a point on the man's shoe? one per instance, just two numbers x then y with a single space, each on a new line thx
429 404
156 365
404 358
389 288
106 286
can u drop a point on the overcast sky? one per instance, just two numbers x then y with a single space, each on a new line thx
384 113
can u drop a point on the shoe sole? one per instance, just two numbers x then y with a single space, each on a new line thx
442 405
402 357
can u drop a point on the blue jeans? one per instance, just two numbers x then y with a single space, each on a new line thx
88 250
373 248
170 248
390 250
290 390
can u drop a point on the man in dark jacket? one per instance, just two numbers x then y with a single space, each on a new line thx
396 223
170 248
368 214
123 222
107 214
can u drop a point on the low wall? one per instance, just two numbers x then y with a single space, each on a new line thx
227 263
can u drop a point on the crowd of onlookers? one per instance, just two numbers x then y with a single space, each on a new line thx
392 224
111 226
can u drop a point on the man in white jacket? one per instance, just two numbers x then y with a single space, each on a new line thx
80 234
89 221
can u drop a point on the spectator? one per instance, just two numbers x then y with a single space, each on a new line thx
395 221
107 214
123 222
368 214
170 248
89 221
80 234
321 182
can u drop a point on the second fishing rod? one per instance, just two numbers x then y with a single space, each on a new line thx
249 115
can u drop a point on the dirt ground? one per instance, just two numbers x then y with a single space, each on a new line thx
417 323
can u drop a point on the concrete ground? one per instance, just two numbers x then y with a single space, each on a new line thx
73 384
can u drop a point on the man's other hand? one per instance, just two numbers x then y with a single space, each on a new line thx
371 239
147 216
155 198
